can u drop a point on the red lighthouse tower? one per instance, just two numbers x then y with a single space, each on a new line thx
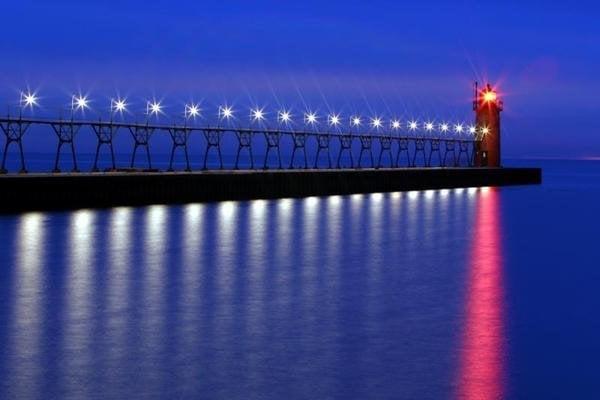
487 109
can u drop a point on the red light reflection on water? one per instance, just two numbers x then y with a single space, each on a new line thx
481 369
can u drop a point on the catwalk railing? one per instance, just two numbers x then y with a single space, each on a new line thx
398 150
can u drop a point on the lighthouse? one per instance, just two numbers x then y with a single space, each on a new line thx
487 107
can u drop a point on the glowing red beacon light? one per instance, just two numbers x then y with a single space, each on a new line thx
489 96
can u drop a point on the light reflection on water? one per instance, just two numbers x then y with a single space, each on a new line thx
26 318
482 351
79 309
317 297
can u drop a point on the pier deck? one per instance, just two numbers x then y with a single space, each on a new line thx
47 191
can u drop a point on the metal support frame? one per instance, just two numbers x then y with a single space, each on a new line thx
476 144
419 148
385 144
141 136
299 143
366 144
272 139
463 146
434 148
345 144
65 131
323 140
105 134
179 138
450 148
244 141
402 148
14 131
213 139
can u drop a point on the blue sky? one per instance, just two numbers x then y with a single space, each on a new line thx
409 60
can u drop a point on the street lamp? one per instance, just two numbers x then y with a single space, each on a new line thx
192 110
284 117
311 118
28 99
118 105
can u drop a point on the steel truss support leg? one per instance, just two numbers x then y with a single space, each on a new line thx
173 147
244 141
434 149
213 139
463 149
292 159
366 144
135 147
147 151
56 169
399 155
148 156
330 165
340 157
299 143
105 133
402 148
179 138
323 141
445 155
95 167
452 151
345 144
389 152
75 168
65 131
14 131
419 148
141 137
265 166
208 146
3 169
273 139
360 157
473 154
385 144
185 153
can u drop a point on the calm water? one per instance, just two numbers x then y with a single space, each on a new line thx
471 294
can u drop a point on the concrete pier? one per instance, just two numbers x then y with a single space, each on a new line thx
93 190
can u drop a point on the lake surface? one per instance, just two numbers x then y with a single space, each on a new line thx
448 294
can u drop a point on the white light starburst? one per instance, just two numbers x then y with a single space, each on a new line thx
29 99
80 102
154 108
334 119
376 122
118 105
396 124
355 121
284 117
413 125
257 114
226 112
311 118
192 110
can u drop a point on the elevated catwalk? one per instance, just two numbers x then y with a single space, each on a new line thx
130 188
